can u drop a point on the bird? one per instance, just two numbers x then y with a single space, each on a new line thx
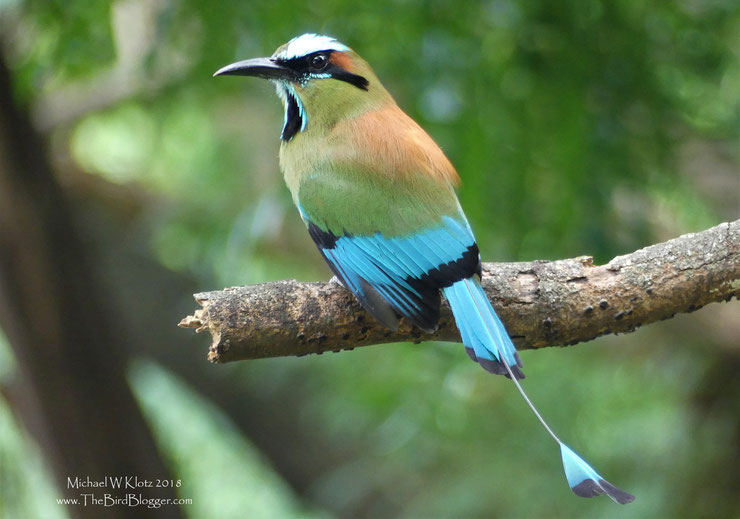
378 197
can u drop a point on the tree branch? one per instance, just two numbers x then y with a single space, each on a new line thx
542 303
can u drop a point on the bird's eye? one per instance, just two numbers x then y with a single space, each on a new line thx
319 62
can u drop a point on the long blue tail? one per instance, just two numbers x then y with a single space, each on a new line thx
487 342
483 333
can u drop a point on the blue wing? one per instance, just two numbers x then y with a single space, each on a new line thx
402 275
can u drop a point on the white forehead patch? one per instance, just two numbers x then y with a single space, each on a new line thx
308 43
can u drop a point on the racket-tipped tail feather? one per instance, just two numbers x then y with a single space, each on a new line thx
584 481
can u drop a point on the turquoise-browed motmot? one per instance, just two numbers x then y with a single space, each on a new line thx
378 198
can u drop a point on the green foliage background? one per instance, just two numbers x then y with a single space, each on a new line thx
578 127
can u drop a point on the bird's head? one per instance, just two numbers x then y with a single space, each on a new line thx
320 81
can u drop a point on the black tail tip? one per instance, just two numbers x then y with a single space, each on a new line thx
590 488
498 368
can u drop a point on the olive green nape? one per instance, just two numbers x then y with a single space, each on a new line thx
363 203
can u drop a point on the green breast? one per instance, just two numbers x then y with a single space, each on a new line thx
346 200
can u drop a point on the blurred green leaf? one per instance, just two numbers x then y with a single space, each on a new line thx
578 127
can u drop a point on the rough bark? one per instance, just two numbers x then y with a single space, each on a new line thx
542 303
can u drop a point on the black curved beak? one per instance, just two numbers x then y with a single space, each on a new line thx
267 68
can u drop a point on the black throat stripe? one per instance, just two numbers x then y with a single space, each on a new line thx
293 118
